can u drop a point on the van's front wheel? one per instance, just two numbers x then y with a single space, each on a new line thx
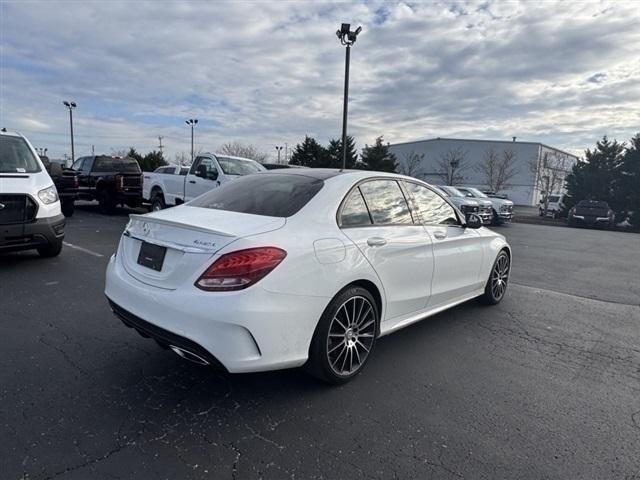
52 249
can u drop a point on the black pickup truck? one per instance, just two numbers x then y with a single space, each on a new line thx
66 182
110 180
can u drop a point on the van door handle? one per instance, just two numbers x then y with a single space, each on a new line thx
192 181
376 241
440 235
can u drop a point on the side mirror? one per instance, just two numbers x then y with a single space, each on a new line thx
212 175
473 221
201 171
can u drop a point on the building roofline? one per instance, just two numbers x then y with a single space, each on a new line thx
484 141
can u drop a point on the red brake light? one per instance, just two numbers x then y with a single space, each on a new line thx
240 269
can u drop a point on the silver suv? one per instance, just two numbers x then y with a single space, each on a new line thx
479 206
502 209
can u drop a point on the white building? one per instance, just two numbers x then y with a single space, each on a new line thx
536 167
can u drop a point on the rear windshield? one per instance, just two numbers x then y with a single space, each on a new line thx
272 195
110 164
236 166
593 204
16 156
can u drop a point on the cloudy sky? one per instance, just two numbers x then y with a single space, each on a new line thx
270 72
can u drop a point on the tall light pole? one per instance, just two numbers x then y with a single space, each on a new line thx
71 106
347 38
192 122
279 149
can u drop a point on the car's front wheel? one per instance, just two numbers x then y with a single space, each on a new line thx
51 249
498 280
345 336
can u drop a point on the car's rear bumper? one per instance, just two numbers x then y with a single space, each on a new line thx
40 232
245 331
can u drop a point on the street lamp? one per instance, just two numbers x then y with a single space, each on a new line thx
279 149
347 38
192 122
71 106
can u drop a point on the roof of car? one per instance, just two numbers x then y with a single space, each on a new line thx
7 133
319 173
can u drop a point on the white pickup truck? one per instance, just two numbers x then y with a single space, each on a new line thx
173 185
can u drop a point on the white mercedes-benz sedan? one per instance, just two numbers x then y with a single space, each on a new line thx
300 267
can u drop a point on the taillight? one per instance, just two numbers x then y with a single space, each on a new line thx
240 269
76 183
119 182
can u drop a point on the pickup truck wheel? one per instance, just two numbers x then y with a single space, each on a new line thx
51 250
107 204
496 219
158 204
68 207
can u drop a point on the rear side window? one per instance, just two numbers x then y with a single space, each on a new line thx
272 195
433 209
110 164
354 211
16 156
386 202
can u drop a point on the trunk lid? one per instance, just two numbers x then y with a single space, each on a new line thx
191 236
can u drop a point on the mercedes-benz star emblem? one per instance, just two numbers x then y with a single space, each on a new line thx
146 228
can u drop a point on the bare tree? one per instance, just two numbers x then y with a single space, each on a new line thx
549 171
239 149
411 164
182 159
452 165
498 170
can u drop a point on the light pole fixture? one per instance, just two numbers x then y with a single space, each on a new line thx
347 38
279 149
192 122
71 106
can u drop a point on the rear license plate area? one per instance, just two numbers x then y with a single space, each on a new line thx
151 256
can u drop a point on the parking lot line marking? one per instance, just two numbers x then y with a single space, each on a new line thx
82 249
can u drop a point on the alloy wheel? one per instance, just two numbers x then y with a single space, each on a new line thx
500 276
351 336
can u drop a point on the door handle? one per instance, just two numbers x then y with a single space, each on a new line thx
192 181
440 235
376 241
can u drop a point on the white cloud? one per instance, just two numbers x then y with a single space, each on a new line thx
267 73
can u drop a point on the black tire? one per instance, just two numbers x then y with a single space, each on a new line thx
107 203
52 249
330 347
496 219
68 207
496 287
157 203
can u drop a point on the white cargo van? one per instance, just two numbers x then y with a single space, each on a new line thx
30 215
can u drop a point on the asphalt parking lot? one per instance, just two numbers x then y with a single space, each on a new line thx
545 385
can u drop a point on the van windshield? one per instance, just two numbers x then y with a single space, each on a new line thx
16 156
554 199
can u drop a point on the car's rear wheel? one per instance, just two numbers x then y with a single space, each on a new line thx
345 336
496 286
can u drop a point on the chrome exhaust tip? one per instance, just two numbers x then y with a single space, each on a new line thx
187 355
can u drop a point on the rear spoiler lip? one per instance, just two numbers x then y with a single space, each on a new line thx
144 218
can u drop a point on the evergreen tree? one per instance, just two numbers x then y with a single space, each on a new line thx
629 185
152 160
598 177
334 151
378 157
310 153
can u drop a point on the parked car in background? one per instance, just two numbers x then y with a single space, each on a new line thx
479 206
30 214
551 206
110 180
502 209
276 166
492 194
591 213
66 181
300 267
207 172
